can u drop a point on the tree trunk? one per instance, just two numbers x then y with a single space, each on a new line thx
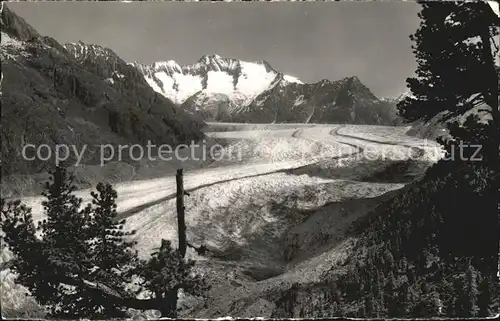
168 307
493 100
491 96
181 222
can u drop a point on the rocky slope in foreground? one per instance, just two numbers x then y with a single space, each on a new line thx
232 90
65 95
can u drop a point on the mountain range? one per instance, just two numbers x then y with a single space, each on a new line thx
84 94
231 90
77 95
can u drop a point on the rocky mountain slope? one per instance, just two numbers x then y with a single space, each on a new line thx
76 95
231 90
343 101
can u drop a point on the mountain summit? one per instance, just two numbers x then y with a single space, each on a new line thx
240 80
227 89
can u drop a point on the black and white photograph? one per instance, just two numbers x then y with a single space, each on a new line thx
249 159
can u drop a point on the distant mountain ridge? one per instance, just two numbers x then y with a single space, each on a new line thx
227 89
239 80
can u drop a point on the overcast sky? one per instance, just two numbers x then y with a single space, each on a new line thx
311 41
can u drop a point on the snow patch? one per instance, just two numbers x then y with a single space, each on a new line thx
220 82
473 40
254 79
9 41
292 79
154 85
450 20
187 85
177 88
11 47
299 100
406 94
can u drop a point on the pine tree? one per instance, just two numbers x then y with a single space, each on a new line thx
428 306
81 264
60 252
403 305
455 47
353 281
485 297
454 55
65 234
448 297
109 246
391 295
471 292
20 236
369 306
109 249
465 286
389 259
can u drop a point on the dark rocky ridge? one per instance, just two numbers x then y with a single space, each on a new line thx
344 101
56 95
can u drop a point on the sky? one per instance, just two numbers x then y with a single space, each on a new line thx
307 40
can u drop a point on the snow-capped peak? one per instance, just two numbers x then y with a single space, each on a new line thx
235 78
398 98
404 95
170 64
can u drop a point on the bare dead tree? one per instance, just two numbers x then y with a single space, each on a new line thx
181 220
